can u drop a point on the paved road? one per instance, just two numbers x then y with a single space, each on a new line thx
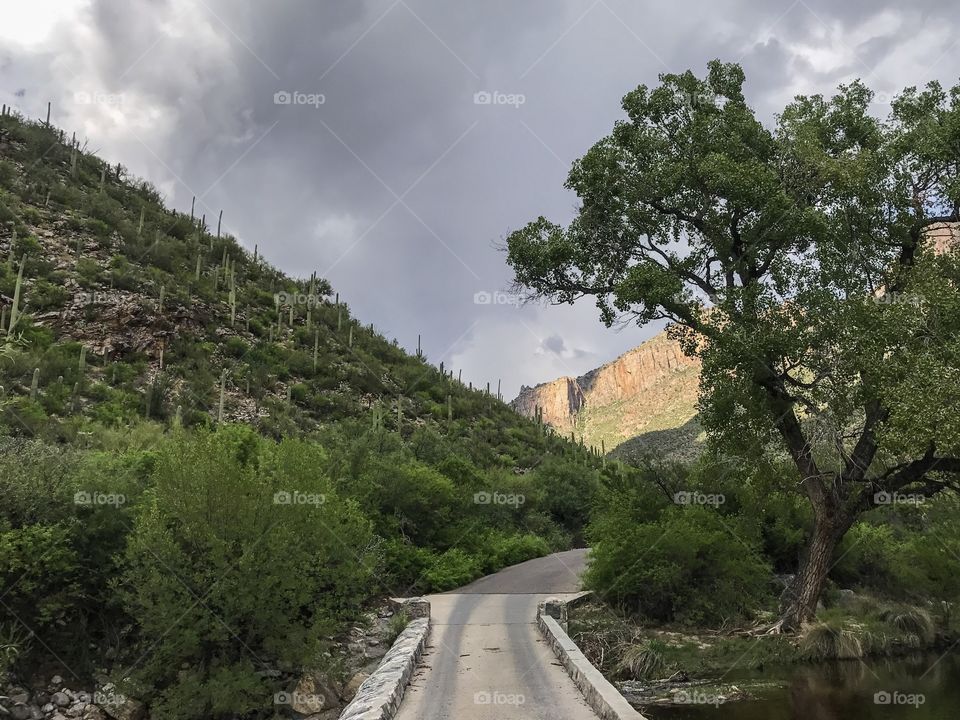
486 660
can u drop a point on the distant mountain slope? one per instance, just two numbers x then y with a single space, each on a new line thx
650 388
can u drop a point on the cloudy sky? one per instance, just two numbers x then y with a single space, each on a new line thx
351 137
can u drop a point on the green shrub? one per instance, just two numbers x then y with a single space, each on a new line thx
242 551
690 567
452 569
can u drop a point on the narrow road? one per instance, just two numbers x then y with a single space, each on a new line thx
486 660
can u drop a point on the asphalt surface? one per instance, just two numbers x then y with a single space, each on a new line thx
486 660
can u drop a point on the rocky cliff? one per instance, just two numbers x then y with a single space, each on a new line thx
652 387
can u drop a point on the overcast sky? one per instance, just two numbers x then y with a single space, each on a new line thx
384 173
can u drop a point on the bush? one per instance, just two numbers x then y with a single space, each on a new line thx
690 567
452 569
241 551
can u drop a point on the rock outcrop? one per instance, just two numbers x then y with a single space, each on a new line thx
652 387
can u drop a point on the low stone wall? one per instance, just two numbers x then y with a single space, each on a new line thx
378 698
605 700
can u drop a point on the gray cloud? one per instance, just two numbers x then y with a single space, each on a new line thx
398 186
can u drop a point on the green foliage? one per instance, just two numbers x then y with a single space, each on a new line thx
241 551
689 565
451 569
793 261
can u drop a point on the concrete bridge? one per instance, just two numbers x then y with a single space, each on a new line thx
485 657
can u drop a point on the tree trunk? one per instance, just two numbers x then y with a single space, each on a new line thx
798 604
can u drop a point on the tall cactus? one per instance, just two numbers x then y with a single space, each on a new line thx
223 389
15 308
316 345
35 383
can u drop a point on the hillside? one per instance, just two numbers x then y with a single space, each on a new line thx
131 310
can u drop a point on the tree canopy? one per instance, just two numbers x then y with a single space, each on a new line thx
793 261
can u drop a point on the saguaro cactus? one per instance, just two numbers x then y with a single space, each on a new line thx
35 383
223 396
15 308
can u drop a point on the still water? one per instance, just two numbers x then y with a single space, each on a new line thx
921 687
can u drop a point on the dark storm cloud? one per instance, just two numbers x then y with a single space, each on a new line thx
398 186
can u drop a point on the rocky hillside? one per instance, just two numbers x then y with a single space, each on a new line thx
115 308
650 388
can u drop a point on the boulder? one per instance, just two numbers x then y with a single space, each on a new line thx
313 694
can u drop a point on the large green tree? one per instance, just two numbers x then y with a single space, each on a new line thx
794 261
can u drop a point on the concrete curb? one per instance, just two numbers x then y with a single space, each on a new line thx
378 698
605 700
